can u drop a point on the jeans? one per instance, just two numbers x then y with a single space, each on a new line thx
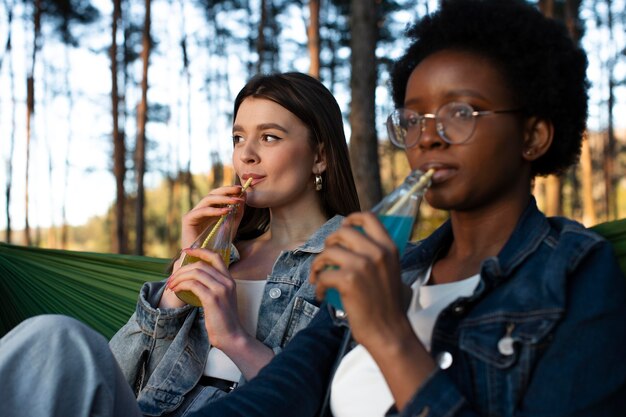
56 366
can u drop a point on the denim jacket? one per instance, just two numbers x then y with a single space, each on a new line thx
543 334
162 352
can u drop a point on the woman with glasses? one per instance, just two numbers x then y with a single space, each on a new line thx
501 311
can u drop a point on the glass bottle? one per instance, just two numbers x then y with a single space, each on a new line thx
397 212
217 237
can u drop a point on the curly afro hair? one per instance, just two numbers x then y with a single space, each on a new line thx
544 68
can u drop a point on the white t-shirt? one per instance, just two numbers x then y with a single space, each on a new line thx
358 388
249 296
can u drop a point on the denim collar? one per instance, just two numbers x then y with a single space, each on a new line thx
315 243
532 228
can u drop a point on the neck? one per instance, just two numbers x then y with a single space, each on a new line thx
482 233
292 226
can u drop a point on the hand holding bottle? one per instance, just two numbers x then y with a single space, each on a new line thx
397 212
367 277
208 211
221 203
210 282
218 238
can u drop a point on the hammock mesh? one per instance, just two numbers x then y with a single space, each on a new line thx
101 289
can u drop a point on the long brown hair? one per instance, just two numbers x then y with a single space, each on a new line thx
310 101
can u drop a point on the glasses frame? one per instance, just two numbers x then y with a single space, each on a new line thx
399 139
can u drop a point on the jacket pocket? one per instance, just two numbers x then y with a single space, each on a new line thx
501 341
501 354
301 315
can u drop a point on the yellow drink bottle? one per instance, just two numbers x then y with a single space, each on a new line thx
218 238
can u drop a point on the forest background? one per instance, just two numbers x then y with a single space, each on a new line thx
115 114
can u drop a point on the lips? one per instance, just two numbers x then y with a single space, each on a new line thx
256 178
442 171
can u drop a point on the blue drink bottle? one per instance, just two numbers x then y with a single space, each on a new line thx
397 212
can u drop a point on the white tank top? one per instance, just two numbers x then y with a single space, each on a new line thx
358 388
249 296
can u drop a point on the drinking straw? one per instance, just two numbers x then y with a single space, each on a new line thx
223 216
423 183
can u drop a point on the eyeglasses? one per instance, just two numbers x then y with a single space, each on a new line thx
455 123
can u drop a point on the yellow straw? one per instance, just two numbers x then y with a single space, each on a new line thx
223 216
423 183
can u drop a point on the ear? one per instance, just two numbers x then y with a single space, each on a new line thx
538 135
319 163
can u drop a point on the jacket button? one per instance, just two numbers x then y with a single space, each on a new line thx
444 360
505 346
275 293
458 310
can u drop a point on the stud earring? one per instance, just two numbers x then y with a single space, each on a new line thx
318 182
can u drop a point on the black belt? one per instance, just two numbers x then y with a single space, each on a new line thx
221 384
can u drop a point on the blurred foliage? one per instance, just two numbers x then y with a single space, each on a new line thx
97 234
162 236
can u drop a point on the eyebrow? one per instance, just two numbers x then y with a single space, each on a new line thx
451 95
263 126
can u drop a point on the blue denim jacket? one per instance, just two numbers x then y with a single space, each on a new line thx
162 352
555 290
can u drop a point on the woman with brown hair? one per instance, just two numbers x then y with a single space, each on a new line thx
288 139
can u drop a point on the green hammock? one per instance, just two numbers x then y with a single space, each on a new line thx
101 289
615 232
97 288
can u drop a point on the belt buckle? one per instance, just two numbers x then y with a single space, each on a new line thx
219 383
232 386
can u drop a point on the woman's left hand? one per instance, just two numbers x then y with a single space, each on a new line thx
367 277
211 282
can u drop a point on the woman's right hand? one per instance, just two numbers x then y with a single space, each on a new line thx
210 208
207 211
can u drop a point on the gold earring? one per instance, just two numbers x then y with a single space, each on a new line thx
318 182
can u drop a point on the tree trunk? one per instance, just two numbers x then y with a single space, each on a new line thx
331 44
51 240
7 45
46 98
260 41
173 214
363 139
313 35
610 154
251 42
9 165
30 112
70 100
187 73
553 196
217 170
140 151
589 212
120 243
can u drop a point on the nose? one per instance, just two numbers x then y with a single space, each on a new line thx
430 137
247 152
